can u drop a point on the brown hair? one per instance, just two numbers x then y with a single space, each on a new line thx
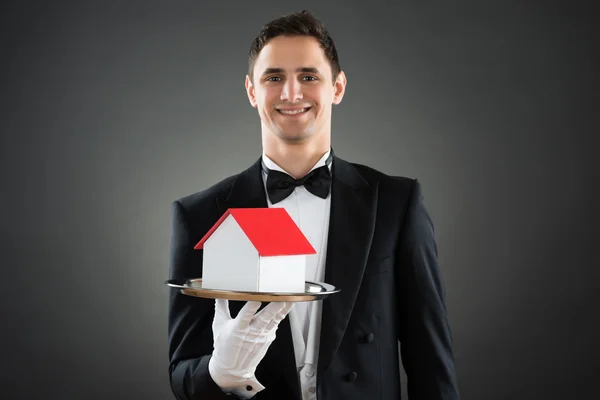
302 23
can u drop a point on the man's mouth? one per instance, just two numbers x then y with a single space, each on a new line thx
293 112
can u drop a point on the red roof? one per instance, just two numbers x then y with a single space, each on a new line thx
271 230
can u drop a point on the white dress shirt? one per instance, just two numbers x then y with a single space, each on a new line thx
311 214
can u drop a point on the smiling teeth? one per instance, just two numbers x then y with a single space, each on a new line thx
291 112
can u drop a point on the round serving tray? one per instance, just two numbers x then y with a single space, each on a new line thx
193 287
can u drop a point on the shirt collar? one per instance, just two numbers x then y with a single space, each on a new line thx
270 164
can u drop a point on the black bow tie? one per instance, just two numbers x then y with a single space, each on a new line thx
280 185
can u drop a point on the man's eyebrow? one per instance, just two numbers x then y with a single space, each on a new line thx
311 70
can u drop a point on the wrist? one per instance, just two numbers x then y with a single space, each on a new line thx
243 385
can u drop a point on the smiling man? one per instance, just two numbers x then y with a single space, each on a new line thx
374 241
294 85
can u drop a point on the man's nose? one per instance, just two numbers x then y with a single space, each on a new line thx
291 91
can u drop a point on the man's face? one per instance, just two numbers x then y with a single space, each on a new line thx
293 89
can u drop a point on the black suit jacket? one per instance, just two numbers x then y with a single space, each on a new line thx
381 254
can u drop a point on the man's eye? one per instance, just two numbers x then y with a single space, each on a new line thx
312 78
273 78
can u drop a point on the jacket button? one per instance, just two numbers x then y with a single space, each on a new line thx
351 377
369 338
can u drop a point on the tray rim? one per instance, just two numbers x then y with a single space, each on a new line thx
251 296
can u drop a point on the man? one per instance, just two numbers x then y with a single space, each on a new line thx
374 241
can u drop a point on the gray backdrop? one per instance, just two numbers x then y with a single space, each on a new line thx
113 109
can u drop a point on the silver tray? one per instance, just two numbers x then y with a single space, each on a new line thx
193 287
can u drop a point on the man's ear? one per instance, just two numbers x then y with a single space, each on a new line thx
339 88
250 91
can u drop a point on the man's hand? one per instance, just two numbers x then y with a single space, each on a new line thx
241 343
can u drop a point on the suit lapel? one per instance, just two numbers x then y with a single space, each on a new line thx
248 191
351 226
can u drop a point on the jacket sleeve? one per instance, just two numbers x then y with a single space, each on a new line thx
190 319
424 331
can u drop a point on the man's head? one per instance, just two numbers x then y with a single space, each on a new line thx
294 78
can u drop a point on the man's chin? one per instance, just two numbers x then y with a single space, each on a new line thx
293 136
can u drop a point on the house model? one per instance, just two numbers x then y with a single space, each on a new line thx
255 249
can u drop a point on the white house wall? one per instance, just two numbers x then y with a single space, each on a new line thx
282 274
230 261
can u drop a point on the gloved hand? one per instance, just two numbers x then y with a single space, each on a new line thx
241 343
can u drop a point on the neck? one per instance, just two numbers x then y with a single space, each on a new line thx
298 158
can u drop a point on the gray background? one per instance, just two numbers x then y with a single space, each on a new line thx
113 109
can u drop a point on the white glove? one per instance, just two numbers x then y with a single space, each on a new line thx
241 343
